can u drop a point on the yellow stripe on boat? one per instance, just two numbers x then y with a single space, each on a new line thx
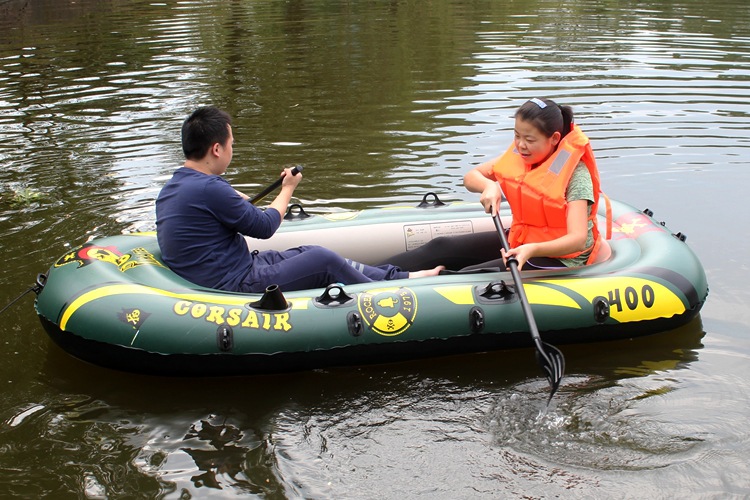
546 296
111 290
540 295
630 298
458 294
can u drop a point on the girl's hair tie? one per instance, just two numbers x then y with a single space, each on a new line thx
538 102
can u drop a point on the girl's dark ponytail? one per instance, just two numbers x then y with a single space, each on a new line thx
567 114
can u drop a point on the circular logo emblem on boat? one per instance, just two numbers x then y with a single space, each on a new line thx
388 311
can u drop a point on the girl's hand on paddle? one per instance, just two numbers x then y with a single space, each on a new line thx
490 198
522 254
480 179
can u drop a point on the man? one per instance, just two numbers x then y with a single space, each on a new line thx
201 222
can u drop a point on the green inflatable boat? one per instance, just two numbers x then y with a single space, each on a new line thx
114 303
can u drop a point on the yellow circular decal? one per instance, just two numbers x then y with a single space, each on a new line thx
389 311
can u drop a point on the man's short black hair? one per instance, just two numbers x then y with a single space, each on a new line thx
202 129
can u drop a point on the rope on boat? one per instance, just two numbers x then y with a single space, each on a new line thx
36 288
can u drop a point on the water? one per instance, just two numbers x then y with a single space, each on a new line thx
381 102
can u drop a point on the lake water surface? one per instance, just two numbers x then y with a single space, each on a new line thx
382 102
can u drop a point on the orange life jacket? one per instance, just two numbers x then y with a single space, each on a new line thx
537 195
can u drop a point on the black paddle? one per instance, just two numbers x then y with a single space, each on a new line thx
548 356
273 186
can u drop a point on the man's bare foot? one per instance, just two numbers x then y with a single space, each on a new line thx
426 272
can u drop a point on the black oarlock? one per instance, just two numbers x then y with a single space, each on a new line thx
272 300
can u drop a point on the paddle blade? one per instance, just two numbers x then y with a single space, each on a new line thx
553 364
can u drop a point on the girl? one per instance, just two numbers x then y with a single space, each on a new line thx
549 177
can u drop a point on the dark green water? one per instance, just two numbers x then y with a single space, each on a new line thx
381 101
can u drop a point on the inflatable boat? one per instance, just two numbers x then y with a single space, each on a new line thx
114 303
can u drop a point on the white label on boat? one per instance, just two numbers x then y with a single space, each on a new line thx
417 235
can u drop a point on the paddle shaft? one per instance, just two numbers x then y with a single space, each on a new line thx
273 186
513 264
